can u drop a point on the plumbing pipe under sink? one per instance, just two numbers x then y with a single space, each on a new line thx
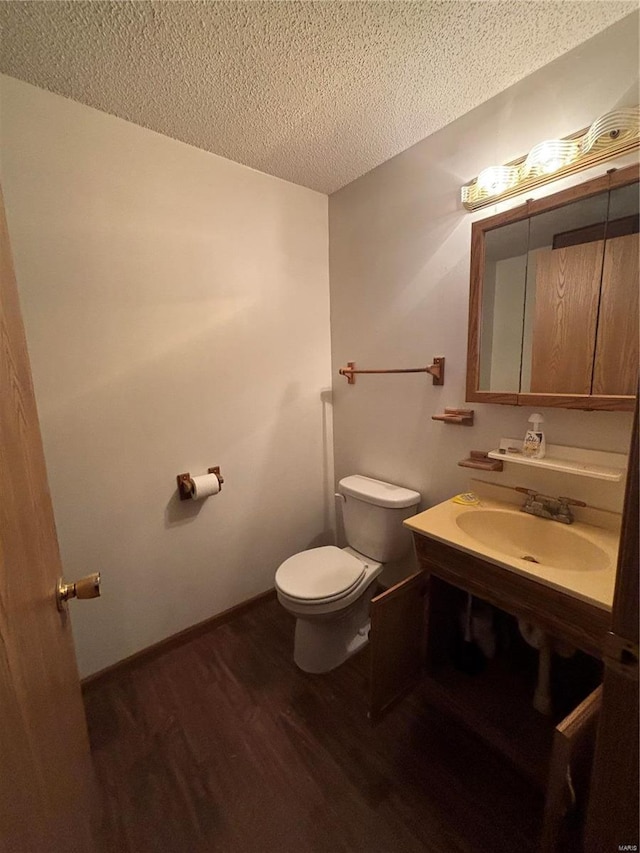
542 695
539 639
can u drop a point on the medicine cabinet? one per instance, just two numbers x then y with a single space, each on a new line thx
553 316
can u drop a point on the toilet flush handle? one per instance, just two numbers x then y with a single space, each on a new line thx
340 495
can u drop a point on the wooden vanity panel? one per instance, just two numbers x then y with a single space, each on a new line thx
613 816
397 642
562 615
571 757
616 363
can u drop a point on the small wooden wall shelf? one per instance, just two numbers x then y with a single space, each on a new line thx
480 460
462 417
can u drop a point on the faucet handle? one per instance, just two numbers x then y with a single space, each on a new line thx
571 502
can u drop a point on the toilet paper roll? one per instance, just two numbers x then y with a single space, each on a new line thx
205 486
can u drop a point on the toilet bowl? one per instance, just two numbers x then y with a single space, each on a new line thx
329 589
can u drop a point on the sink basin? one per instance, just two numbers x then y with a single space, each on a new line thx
535 540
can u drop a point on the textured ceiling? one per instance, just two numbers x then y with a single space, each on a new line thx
315 92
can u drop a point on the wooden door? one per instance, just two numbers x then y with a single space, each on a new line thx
566 312
46 777
569 777
612 819
397 641
616 363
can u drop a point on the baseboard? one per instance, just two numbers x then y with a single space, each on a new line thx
172 642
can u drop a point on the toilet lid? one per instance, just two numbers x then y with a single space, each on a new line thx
325 572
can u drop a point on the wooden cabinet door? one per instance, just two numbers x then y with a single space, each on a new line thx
616 361
565 318
46 777
397 641
569 776
612 819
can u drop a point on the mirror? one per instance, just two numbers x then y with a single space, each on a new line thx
554 299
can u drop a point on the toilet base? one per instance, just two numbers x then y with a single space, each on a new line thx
321 645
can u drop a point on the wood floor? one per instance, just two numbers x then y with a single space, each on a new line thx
223 745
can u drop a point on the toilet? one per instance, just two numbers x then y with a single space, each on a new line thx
329 589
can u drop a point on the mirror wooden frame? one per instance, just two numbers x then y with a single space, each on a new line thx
613 179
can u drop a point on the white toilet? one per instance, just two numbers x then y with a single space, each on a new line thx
329 589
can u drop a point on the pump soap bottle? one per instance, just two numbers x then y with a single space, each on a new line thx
534 443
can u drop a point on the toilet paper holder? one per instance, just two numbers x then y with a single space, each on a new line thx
185 483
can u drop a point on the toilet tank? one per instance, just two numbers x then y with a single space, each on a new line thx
373 512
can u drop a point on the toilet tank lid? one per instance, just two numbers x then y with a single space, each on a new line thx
377 492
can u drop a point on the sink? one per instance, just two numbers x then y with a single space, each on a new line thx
577 559
534 540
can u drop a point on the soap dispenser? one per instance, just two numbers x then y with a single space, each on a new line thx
534 443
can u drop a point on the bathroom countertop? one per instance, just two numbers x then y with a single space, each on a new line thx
595 586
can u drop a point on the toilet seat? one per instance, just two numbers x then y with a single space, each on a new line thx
320 575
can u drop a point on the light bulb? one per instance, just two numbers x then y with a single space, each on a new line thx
547 157
496 179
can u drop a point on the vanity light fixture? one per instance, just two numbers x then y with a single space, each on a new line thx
609 136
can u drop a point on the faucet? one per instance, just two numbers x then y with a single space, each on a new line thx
545 506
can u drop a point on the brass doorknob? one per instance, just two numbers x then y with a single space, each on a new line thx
88 587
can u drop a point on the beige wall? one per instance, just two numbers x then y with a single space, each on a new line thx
399 270
177 314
